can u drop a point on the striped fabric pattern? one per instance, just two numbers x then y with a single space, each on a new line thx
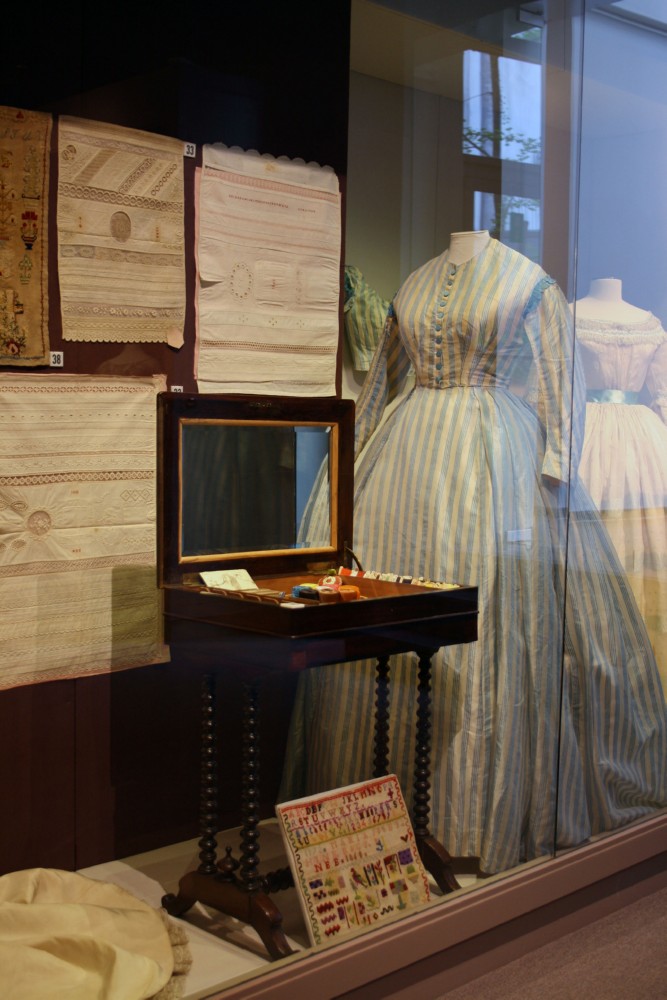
467 482
365 316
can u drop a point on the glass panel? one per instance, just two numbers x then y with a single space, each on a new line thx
620 312
464 421
475 438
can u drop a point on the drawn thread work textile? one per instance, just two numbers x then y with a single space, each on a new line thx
552 725
120 234
624 458
269 275
25 142
77 526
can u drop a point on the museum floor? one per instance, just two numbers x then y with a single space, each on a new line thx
622 956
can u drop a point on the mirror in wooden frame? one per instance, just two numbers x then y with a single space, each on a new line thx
236 475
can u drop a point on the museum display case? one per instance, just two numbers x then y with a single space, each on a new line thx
492 174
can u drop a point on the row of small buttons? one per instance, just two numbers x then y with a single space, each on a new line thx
439 315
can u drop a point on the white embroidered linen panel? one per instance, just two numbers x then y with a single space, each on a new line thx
268 256
77 526
121 245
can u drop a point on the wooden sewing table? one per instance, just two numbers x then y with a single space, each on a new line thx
259 638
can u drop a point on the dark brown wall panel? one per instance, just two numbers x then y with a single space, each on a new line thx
37 759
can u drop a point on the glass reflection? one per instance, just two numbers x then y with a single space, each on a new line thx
471 419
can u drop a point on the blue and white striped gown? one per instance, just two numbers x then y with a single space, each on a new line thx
452 486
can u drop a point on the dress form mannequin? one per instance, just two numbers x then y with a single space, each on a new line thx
623 352
465 246
605 302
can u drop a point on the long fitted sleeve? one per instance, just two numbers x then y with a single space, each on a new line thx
561 391
365 316
385 379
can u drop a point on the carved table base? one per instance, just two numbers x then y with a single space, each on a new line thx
234 899
245 895
215 883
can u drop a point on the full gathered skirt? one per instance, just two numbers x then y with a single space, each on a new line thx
631 495
552 725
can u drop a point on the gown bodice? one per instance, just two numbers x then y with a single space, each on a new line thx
623 356
467 327
461 324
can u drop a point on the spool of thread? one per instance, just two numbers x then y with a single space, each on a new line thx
306 590
329 595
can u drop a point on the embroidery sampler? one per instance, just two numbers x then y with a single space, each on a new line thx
77 526
25 140
269 238
354 858
120 234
